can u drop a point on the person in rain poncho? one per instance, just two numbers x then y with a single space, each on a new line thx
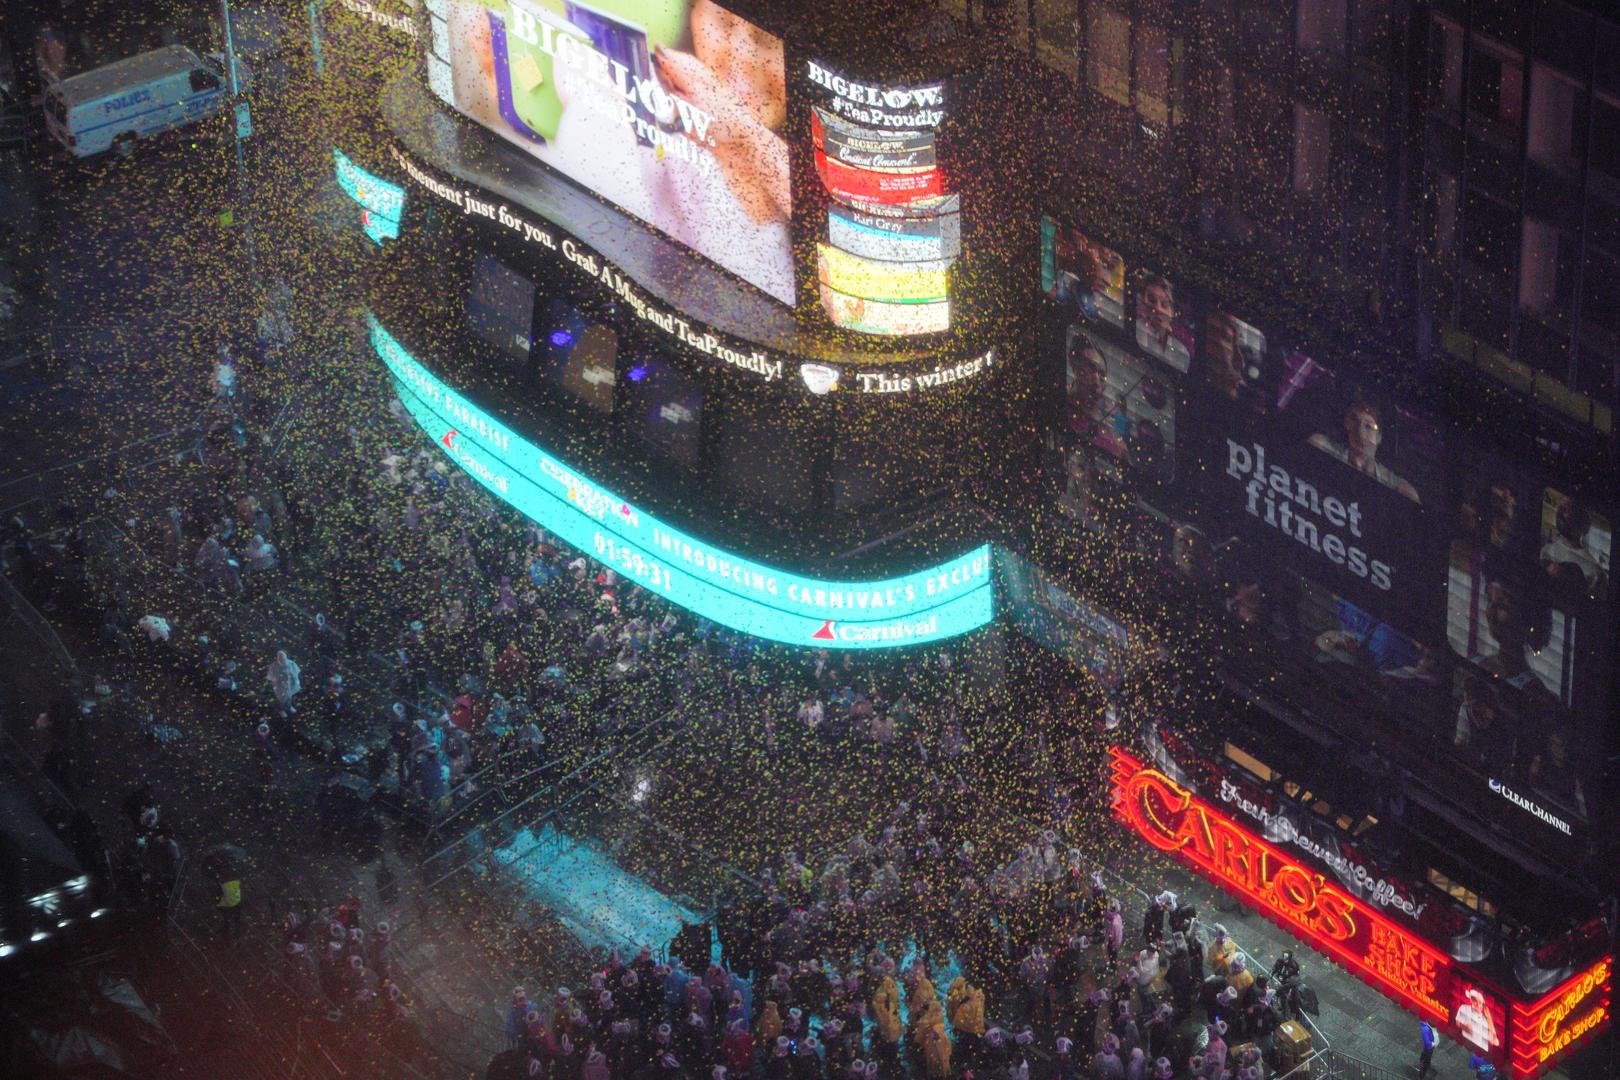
285 683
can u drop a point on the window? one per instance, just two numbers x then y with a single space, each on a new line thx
1600 324
1461 893
1156 56
664 409
1108 53
1606 141
1557 119
1249 762
500 307
1264 133
1546 270
1312 149
1445 213
1371 30
579 355
1319 26
1490 231
1496 88
1057 34
1445 66
203 80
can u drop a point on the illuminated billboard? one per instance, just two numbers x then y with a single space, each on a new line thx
894 283
1527 1036
879 317
1388 569
381 202
893 228
671 109
733 591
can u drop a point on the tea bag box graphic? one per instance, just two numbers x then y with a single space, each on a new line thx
527 38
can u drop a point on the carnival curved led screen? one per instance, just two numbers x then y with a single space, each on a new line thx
940 602
381 203
671 109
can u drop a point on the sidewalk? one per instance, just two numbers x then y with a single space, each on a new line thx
1356 1019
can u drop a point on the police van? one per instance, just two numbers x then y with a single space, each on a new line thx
113 107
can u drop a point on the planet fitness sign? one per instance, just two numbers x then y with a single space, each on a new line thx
1385 954
930 605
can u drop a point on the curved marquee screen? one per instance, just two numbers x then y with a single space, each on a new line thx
929 605
672 109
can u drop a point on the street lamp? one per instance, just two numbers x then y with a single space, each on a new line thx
238 116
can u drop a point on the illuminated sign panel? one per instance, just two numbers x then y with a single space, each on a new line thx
381 203
893 238
881 317
1544 1032
893 230
929 605
670 109
895 283
740 356
1392 958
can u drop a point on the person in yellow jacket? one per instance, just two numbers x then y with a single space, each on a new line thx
936 1050
1220 953
886 1013
922 1001
770 1025
964 1005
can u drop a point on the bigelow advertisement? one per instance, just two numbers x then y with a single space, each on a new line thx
672 110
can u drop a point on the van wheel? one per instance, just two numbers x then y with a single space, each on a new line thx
123 147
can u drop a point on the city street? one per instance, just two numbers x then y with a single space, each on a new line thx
524 766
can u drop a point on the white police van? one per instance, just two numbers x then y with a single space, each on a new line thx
112 107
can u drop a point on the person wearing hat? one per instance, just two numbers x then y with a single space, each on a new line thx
1063 1067
1220 953
595 1066
1106 1063
736 1050
936 1049
1262 1018
997 1054
770 1024
1227 1011
1160 1028
517 1012
1215 1049
886 1016
1239 977
807 1060
1114 930
779 1066
964 1006
1426 1045
1163 1070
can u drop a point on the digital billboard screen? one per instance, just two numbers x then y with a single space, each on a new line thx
579 355
893 226
671 109
933 604
381 202
1377 562
500 307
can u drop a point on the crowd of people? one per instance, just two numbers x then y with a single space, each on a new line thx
837 973
523 647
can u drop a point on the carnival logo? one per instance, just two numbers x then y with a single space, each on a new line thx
825 633
819 378
449 439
